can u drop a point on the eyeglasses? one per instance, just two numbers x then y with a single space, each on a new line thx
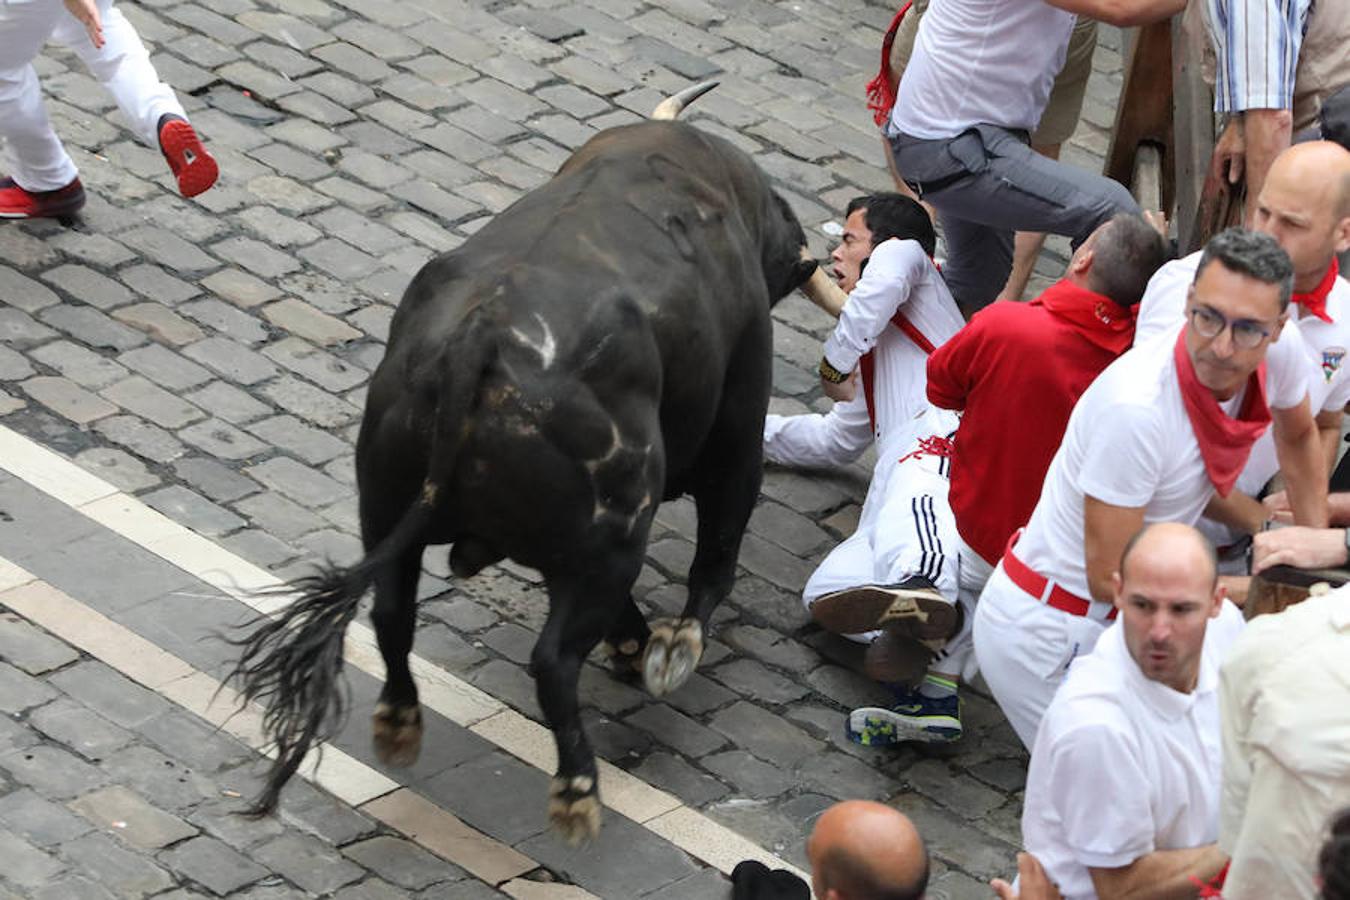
1208 322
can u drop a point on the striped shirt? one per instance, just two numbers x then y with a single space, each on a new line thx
1256 43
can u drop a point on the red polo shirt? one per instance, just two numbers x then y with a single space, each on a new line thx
1016 370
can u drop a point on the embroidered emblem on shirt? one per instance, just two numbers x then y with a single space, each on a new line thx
1332 357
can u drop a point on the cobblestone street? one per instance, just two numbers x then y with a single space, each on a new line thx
205 362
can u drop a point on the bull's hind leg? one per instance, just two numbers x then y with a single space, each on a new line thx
582 610
396 726
626 641
725 485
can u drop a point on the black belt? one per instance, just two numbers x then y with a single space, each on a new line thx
929 187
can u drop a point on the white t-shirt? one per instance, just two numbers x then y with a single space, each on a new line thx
1123 766
1129 443
981 62
1321 345
899 275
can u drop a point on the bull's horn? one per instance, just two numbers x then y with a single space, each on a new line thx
671 107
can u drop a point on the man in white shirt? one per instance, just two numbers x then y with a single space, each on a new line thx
883 267
975 87
893 309
1122 795
1305 205
1284 695
1151 440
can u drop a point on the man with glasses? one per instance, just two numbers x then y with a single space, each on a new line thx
1155 436
1305 206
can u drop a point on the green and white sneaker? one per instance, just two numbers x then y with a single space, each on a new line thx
914 717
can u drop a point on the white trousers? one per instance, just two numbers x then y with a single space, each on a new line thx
38 161
906 528
1024 649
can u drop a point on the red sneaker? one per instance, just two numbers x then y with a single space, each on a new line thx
62 203
195 169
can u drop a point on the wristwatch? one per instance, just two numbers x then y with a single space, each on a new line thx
830 373
1347 546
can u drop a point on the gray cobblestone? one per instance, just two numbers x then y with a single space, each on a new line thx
311 864
764 734
51 771
88 286
146 399
310 403
232 360
402 862
137 823
168 249
121 469
159 322
38 820
228 402
26 865
154 283
219 438
673 774
240 288
68 399
13 365
350 193
22 292
116 698
141 438
226 320
193 510
79 728
279 516
753 679
91 327
19 330
212 864
677 730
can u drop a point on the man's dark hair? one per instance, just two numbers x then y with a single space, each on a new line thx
891 215
1333 863
1124 258
852 877
1252 254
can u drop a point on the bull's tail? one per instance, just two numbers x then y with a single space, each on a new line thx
672 106
292 664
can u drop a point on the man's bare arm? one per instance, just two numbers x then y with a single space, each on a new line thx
1160 875
1106 529
1329 433
1122 12
823 292
1302 463
1238 511
1266 134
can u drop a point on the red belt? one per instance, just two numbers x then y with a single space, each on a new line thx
1034 584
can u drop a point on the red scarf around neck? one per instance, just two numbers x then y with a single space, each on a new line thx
1096 317
1225 442
1315 301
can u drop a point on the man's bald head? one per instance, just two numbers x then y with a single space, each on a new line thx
861 850
1305 205
1174 545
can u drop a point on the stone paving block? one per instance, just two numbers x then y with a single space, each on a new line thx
698 695
25 865
79 728
314 866
19 330
168 249
950 839
72 885
255 256
135 822
91 327
68 399
162 781
316 811
51 771
118 468
673 774
228 402
159 322
311 403
226 320
496 794
708 884
13 366
308 361
460 613
377 889
844 777
193 510
677 730
354 61
778 825
212 864
509 683
115 697
154 283
86 285
231 360
764 734
752 678
312 445
26 252
847 688
361 198
623 860
144 398
38 820
259 548
213 479
298 481
749 776
219 438
141 438
278 516
402 862
30 649
280 229
286 194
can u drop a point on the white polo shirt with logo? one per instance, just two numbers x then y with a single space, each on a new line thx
1123 766
1322 347
1129 443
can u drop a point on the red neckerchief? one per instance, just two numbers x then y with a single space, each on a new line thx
1225 442
882 89
867 364
1096 317
1315 301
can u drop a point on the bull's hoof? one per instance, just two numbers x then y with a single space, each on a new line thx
574 807
626 658
396 733
673 652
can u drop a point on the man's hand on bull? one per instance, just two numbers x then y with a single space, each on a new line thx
1303 548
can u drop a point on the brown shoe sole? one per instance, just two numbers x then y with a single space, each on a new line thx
919 614
895 659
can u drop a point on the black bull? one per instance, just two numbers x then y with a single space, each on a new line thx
601 345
